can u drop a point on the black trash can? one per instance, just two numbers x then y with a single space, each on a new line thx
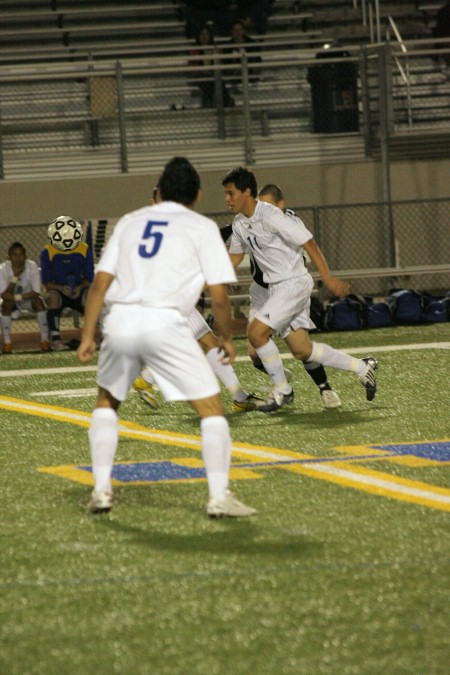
334 95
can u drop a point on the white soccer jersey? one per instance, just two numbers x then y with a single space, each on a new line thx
162 255
29 280
273 239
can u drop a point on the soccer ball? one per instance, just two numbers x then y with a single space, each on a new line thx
65 233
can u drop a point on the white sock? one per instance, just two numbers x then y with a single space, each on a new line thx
147 375
226 374
270 356
103 438
216 452
43 325
328 356
6 328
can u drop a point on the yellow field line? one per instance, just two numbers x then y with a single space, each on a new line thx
334 471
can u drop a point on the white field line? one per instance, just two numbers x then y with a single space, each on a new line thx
239 359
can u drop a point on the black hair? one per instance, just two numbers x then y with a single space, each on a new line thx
242 179
273 190
179 182
208 28
16 244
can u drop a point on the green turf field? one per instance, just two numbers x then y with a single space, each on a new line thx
345 569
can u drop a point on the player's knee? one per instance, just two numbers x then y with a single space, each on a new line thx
258 334
54 300
37 304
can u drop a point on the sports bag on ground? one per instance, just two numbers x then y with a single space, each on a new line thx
378 314
345 314
406 306
437 310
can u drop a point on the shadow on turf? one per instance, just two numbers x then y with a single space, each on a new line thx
319 420
233 537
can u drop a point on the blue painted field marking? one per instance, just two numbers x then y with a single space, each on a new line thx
438 451
329 469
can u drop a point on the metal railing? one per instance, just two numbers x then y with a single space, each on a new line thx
120 107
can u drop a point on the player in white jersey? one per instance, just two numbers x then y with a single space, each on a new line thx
274 239
20 290
160 257
273 195
242 400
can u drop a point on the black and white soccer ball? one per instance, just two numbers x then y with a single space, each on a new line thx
65 233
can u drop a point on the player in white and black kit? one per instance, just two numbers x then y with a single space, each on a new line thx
160 257
273 195
258 295
274 240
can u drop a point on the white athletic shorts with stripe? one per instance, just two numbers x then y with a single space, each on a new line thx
286 305
198 324
162 340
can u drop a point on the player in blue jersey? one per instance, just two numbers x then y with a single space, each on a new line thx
66 276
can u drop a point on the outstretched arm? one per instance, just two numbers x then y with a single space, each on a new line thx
338 287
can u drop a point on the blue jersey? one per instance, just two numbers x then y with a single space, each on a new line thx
67 267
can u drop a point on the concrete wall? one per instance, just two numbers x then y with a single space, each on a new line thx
304 185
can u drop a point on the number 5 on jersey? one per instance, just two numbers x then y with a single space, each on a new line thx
152 238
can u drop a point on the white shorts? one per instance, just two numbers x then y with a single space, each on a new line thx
198 324
287 306
258 296
23 306
162 340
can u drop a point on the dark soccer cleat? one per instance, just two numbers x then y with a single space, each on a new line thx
251 403
277 400
368 380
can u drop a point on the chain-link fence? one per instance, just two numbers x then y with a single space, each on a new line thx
376 246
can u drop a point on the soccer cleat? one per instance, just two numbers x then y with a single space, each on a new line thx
7 348
330 399
146 392
58 346
252 402
101 502
368 380
45 346
230 507
277 400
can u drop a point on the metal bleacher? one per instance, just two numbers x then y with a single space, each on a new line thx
48 124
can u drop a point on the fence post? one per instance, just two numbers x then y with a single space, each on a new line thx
386 127
316 233
249 159
218 91
2 171
365 100
121 119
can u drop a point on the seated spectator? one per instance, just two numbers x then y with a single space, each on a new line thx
206 79
20 289
239 41
66 276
